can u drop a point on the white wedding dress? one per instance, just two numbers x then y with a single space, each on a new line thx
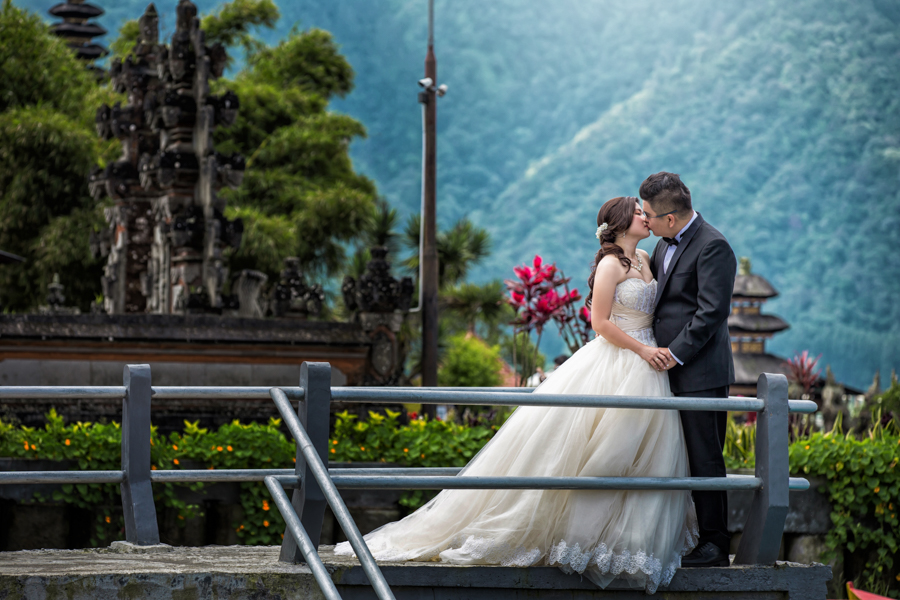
634 536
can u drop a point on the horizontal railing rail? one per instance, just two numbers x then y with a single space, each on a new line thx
315 485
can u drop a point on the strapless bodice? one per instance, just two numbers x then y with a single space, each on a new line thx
632 309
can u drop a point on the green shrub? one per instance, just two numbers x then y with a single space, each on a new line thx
97 446
469 362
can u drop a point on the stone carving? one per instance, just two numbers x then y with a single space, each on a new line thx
56 300
380 302
376 291
168 230
247 288
292 297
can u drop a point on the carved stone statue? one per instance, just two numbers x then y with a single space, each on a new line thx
292 297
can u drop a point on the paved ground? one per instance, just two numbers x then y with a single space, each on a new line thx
254 573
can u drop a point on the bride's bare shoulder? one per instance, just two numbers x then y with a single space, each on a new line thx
611 269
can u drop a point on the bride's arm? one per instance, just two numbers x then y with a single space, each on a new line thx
609 274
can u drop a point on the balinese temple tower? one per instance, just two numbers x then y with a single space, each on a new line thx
167 230
750 328
76 30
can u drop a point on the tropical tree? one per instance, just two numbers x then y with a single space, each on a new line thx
47 147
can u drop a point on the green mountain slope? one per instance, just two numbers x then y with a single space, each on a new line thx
781 117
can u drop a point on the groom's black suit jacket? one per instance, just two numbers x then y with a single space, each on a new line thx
693 303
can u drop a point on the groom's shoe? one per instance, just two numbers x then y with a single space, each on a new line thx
706 555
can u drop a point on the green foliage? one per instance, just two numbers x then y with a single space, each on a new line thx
740 445
123 46
469 362
38 68
44 158
863 487
47 147
308 60
864 490
889 401
300 196
522 353
460 248
266 240
475 304
232 23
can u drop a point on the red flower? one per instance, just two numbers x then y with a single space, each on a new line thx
413 415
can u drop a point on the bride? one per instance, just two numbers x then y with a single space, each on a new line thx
634 536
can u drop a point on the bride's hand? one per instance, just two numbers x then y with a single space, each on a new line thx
657 357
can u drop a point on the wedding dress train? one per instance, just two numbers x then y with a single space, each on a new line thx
634 536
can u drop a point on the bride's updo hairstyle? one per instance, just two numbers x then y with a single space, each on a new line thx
617 214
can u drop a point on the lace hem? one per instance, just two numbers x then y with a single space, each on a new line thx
647 569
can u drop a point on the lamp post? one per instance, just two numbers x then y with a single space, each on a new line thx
429 257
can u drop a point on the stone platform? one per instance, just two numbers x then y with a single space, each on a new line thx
246 572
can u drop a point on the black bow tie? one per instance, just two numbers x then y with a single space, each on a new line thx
670 241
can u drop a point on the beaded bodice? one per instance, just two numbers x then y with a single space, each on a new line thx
632 309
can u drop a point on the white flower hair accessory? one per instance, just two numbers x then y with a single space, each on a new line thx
601 229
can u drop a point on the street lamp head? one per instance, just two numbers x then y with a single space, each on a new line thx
442 89
426 83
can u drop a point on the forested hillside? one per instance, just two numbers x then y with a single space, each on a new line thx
783 118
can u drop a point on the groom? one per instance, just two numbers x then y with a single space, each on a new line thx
695 269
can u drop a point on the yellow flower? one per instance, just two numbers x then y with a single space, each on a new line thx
265 523
108 519
218 448
333 451
423 456
26 445
877 489
152 467
174 447
230 449
363 448
406 449
33 447
334 442
175 461
807 446
68 442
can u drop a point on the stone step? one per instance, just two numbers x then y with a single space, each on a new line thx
253 572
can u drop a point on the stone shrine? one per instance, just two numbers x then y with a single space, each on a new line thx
167 230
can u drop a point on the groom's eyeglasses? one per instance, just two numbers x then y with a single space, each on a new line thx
671 212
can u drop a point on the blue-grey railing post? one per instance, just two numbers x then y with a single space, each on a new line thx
309 500
137 493
761 538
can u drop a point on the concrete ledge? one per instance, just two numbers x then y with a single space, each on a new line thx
242 572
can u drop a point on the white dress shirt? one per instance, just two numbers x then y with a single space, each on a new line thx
670 252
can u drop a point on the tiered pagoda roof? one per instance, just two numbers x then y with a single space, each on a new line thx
76 30
750 328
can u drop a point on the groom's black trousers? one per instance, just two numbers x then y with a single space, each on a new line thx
704 434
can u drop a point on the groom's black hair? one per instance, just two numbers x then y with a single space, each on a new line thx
666 192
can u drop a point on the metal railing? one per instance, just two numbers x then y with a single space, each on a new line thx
315 486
